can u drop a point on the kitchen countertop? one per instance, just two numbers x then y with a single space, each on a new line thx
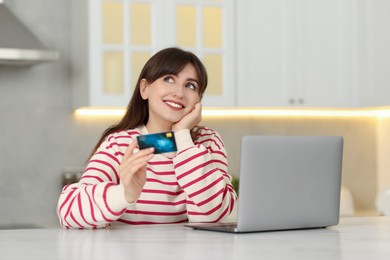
354 238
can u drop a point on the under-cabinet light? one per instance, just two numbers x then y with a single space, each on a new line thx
91 111
251 112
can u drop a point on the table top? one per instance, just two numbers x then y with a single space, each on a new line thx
354 238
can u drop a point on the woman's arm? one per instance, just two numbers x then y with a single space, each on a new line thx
202 172
98 198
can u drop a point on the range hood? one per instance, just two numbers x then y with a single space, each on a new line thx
18 45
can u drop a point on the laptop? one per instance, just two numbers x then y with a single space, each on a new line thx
286 182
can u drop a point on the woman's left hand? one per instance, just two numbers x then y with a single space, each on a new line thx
190 120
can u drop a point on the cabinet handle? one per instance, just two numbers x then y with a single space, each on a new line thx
299 101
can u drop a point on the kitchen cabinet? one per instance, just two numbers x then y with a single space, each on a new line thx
112 40
295 53
259 53
373 50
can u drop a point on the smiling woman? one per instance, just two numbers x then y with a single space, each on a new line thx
123 183
170 98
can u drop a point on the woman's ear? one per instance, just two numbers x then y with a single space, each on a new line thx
143 89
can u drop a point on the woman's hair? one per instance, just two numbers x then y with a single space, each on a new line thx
169 61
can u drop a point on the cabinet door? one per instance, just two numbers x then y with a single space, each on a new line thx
374 53
294 53
324 52
263 49
122 40
112 40
207 29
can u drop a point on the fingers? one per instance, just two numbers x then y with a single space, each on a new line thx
132 165
131 159
140 159
198 109
130 150
198 106
196 115
132 170
190 120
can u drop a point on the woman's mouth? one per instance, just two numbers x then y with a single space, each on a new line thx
174 104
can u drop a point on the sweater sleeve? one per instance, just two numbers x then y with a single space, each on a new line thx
98 198
201 171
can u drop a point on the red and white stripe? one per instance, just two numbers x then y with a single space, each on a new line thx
192 186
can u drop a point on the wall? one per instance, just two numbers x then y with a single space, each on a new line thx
383 151
40 137
359 157
37 133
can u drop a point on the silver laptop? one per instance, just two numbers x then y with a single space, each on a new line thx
286 182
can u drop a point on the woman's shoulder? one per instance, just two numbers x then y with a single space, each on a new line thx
202 133
204 130
124 134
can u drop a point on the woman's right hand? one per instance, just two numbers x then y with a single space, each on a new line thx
190 120
132 171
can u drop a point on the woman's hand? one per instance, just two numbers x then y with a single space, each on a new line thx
132 171
190 120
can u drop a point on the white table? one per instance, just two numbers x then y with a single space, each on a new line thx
354 238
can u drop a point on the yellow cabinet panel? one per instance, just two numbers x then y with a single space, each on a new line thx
140 23
186 26
212 27
138 60
214 65
112 23
113 73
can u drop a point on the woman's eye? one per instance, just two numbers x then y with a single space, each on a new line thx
168 79
191 86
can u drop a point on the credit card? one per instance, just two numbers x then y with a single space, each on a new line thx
162 142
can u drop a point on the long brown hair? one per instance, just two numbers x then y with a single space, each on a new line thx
169 61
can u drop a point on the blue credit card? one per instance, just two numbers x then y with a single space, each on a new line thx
162 142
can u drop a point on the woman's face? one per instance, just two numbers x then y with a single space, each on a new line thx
171 97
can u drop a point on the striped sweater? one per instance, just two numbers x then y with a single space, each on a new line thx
190 185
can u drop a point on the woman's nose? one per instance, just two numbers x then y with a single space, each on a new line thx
178 90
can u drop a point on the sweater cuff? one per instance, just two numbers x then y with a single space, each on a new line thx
116 198
183 139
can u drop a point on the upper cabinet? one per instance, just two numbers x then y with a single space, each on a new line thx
373 59
258 53
295 53
112 40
